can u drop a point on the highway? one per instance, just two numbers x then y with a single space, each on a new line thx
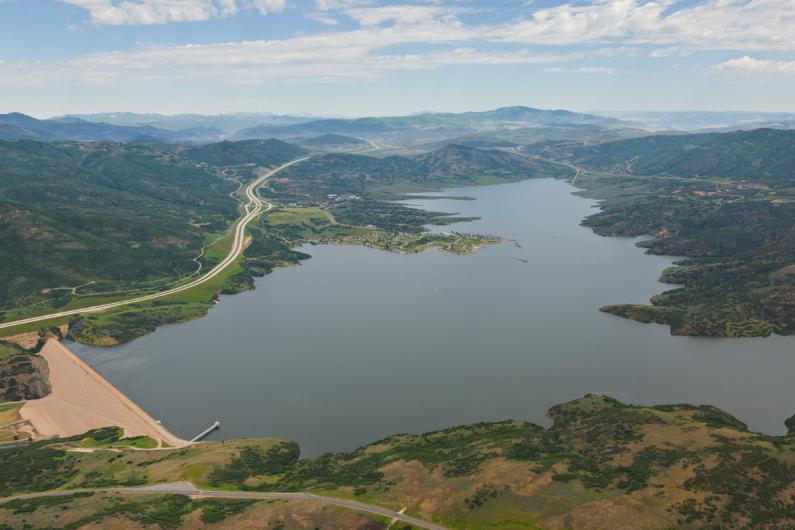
255 206
186 488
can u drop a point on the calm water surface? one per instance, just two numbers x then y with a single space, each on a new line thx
357 344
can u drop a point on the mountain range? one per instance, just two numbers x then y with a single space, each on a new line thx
504 127
16 126
423 124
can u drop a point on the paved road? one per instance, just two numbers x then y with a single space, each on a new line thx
186 488
252 209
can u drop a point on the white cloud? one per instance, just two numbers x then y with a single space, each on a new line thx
401 14
669 24
581 70
322 17
660 53
147 12
751 65
710 24
266 7
600 30
329 5
326 57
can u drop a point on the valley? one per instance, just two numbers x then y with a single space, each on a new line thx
390 265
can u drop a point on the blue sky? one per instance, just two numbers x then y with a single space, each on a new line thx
372 57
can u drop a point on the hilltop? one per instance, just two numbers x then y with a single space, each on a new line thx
247 152
332 140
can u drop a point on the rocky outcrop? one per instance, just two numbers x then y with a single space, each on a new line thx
23 375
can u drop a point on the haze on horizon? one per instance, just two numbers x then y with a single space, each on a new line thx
376 57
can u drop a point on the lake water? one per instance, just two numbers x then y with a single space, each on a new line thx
357 344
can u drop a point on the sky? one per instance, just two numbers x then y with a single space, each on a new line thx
376 57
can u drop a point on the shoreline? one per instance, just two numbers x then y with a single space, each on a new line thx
81 400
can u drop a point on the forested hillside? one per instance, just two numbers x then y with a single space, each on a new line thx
449 166
115 215
764 155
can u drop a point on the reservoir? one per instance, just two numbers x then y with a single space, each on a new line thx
357 344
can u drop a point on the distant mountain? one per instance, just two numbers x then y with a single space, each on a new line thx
332 140
519 114
20 126
761 154
260 152
221 124
9 131
537 124
703 120
17 126
449 123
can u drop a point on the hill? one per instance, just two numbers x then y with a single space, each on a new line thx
763 155
333 140
19 126
602 464
11 131
257 152
223 123
448 166
111 217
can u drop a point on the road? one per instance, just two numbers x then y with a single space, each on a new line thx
255 206
186 488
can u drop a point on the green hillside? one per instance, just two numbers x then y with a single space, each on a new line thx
451 165
332 140
117 215
602 464
763 155
257 152
16 126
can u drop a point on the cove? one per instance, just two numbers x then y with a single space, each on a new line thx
357 344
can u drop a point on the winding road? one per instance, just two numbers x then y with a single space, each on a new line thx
255 206
186 488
